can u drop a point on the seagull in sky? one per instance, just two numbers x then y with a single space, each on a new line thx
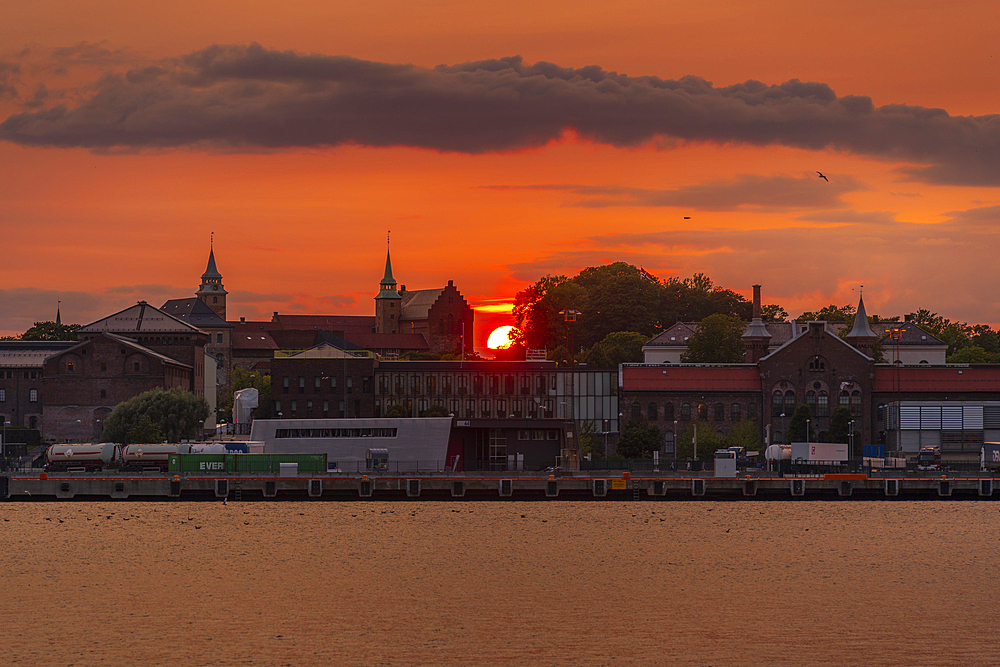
823 177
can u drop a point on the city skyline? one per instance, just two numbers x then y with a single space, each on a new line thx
130 134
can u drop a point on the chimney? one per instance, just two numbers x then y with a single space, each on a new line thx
402 288
274 318
907 317
756 302
243 320
451 283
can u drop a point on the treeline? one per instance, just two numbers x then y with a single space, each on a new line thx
619 297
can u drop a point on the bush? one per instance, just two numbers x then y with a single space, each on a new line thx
172 415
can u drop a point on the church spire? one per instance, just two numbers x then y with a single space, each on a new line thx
388 301
58 315
387 288
212 292
861 336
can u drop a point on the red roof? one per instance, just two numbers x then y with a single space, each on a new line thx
937 378
690 378
252 336
346 323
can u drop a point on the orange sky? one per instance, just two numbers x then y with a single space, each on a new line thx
301 228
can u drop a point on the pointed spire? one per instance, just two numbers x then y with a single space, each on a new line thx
211 271
387 279
861 327
388 285
58 315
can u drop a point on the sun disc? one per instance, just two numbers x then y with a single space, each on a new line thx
498 338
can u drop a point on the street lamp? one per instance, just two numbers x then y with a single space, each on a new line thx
807 431
850 437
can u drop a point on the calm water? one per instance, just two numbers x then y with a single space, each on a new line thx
568 583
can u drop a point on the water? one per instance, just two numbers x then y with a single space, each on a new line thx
459 583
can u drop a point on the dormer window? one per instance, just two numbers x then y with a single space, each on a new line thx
817 363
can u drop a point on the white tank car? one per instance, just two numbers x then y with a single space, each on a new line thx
778 453
151 456
61 457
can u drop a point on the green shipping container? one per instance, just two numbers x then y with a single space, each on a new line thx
244 463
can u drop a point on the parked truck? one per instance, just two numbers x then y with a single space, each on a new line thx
989 456
814 452
929 458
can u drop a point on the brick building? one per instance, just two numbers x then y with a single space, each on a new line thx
815 367
83 383
21 380
322 382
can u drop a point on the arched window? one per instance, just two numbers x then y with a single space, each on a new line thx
734 412
811 401
441 326
451 323
822 404
778 438
845 398
777 403
668 442
636 410
817 364
789 402
751 410
856 402
720 412
686 411
703 412
668 412
215 299
651 412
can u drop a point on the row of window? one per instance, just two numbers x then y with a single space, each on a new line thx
493 384
32 395
28 375
718 412
293 407
318 384
481 408
335 433
783 403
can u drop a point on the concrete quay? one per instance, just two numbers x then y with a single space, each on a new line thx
488 486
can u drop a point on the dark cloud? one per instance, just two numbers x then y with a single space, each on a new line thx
741 193
851 217
8 75
249 97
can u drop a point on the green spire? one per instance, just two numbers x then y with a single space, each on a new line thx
388 285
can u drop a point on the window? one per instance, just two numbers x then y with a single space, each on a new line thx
817 364
668 442
104 393
3 396
734 412
777 403
137 366
431 385
636 410
69 366
651 412
33 396
720 412
811 401
822 404
751 411
294 407
477 384
316 382
302 385
494 384
845 398
668 412
104 366
501 408
218 338
349 385
686 411
703 412
366 385
414 384
484 408
856 402
789 402
215 299
284 384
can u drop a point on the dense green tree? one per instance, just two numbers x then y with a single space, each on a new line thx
717 340
840 425
708 441
744 434
798 423
773 313
831 313
240 378
145 431
619 347
639 439
397 411
48 331
176 413
973 354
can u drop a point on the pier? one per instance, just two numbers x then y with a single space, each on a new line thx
591 485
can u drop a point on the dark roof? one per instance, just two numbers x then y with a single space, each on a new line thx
384 341
252 336
30 353
346 323
417 304
336 341
142 318
905 333
195 312
211 271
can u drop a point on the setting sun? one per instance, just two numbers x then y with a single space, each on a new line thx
498 338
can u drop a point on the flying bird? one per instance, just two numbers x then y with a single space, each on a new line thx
823 177
687 217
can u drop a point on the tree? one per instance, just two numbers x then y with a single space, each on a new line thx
745 434
590 442
639 439
708 441
48 331
240 378
176 413
840 425
145 431
974 354
620 347
831 313
396 411
773 313
797 425
717 340
437 410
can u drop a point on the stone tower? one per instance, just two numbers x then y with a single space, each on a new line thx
211 291
388 302
757 338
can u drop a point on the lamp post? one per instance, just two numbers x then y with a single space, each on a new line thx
807 431
850 437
